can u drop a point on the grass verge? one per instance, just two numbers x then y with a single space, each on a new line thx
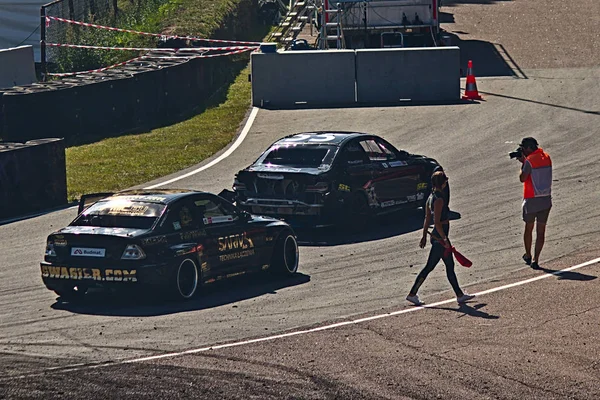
121 162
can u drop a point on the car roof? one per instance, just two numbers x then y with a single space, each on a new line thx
339 137
162 196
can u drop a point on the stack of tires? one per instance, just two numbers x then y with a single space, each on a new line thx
33 176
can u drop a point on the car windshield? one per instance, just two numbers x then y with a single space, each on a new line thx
302 156
120 213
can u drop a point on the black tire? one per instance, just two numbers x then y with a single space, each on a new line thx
186 280
70 294
286 255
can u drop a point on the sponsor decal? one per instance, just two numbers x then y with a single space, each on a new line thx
217 220
344 188
87 252
235 274
269 238
388 203
237 255
420 196
401 201
192 235
270 176
130 210
385 165
177 225
411 198
398 164
422 186
94 274
266 266
205 267
233 242
153 241
355 162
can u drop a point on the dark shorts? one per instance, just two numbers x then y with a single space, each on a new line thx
541 216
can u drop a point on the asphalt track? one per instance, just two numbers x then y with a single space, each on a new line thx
538 340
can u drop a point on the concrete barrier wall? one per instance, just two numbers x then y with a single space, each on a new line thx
314 78
348 77
415 74
17 67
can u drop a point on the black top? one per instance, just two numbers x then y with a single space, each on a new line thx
445 211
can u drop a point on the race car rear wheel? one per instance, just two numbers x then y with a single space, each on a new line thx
186 280
286 255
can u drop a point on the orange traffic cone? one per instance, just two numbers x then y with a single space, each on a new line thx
471 92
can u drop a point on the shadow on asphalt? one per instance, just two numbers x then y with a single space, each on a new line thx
145 304
542 103
489 59
467 309
451 3
568 275
382 228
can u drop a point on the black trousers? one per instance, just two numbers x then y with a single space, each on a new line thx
435 255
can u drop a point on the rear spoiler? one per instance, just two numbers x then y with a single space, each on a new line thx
88 199
228 195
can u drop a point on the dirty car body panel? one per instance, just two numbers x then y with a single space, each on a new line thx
318 178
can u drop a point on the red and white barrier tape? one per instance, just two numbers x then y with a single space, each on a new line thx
191 50
69 21
62 74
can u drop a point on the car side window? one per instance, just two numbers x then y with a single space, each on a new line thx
180 217
391 155
214 210
353 154
374 152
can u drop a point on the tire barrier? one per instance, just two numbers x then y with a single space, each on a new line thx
32 176
146 93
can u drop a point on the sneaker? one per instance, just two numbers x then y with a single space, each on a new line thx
465 297
527 259
535 265
414 299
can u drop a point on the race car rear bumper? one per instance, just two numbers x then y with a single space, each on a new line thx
59 276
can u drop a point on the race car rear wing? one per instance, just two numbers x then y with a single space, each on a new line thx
88 199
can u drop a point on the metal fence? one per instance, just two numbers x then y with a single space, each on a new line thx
115 13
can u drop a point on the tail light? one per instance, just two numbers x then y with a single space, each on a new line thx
320 187
238 186
50 249
133 252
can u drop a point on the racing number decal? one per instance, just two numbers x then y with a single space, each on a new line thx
311 138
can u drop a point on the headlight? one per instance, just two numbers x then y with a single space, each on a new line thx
133 252
50 250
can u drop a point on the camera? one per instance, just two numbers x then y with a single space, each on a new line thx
518 153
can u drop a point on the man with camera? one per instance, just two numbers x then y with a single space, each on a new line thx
536 175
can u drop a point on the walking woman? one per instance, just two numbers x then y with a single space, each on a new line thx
437 208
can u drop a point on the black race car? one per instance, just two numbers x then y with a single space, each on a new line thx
323 178
174 240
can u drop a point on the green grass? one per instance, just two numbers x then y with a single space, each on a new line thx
121 162
117 163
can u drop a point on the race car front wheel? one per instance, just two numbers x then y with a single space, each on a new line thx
186 280
286 255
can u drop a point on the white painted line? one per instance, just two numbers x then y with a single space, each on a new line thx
223 156
306 331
